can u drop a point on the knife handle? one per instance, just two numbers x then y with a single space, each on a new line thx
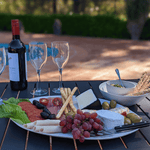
132 126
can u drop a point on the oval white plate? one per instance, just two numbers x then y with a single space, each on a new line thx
124 100
69 135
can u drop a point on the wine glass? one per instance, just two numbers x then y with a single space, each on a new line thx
2 62
60 56
38 57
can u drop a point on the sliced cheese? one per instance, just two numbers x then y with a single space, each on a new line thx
110 119
86 98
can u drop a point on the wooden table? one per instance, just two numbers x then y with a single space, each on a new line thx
13 137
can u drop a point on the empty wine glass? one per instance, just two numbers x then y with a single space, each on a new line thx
2 62
60 56
38 57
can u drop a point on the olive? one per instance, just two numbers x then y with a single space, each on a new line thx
46 110
127 120
35 102
113 103
40 106
52 116
44 115
105 105
134 118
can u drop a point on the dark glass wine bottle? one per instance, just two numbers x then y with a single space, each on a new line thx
17 59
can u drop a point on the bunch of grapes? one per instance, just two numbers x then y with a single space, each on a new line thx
81 124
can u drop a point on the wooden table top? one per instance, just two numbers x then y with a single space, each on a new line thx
13 137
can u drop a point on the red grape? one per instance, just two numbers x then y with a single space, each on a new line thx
95 125
69 119
76 121
63 122
74 126
78 116
64 129
87 115
81 124
93 115
83 117
85 126
91 121
81 138
89 127
100 128
81 129
69 126
74 130
86 134
76 134
97 120
79 111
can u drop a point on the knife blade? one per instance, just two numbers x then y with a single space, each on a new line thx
118 129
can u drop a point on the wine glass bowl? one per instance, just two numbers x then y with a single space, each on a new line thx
2 59
2 62
60 56
38 57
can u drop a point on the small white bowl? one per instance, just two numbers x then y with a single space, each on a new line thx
121 99
129 86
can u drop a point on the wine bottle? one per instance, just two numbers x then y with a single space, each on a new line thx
17 59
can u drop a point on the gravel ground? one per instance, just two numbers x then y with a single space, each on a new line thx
90 58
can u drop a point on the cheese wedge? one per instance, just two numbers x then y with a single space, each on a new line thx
86 98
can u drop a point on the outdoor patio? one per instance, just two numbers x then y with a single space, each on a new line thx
90 58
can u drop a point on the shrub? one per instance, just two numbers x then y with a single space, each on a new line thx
106 26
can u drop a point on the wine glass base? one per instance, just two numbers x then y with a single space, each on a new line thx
56 90
39 92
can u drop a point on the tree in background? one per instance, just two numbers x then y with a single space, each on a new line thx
137 14
76 6
32 5
54 7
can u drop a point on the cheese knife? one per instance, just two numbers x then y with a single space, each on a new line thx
121 128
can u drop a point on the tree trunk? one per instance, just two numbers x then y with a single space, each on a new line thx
54 7
135 27
76 6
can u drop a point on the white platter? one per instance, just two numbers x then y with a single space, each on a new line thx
69 135
121 99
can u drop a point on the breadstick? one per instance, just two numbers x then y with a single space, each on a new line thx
141 93
140 83
145 85
67 95
66 103
71 102
63 94
63 99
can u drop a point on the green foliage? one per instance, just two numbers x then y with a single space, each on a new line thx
145 35
134 8
80 25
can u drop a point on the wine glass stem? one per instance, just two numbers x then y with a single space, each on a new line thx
60 77
38 81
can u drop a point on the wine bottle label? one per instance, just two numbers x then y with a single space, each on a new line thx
13 67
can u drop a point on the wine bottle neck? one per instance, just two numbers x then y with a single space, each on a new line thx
15 28
16 37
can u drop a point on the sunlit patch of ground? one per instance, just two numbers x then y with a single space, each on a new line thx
90 58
